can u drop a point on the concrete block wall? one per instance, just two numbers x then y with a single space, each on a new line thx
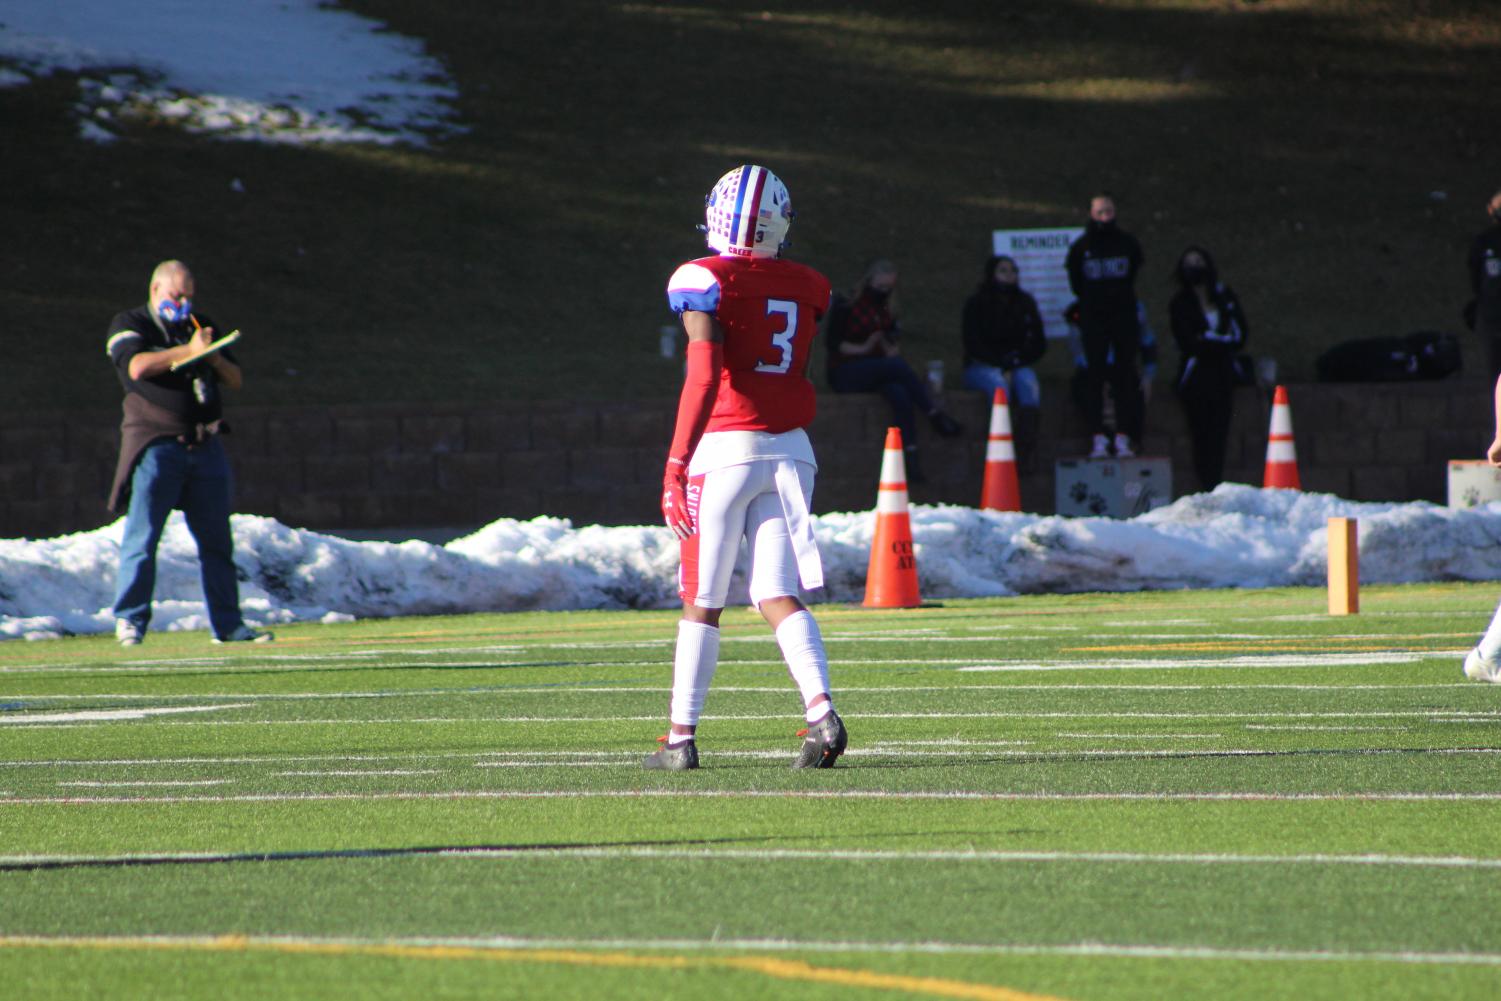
383 467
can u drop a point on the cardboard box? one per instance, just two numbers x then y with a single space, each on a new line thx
1473 482
1112 488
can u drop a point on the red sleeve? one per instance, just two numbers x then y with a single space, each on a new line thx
696 403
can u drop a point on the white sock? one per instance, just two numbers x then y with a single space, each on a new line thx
802 648
1490 643
693 664
678 739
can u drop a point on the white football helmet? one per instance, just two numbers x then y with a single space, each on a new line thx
748 213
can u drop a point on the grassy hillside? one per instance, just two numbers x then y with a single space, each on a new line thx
1336 155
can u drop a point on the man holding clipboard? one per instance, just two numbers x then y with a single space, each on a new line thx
172 368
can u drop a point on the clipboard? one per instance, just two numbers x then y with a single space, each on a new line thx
213 348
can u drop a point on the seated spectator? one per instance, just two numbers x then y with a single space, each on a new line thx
864 357
1210 331
1003 337
1081 385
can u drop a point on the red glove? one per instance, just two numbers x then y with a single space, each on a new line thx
675 499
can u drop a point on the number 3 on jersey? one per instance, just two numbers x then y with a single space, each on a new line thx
781 340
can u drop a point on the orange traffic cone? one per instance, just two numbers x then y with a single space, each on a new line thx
891 580
1281 456
1000 491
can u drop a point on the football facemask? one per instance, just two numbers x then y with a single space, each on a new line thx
748 213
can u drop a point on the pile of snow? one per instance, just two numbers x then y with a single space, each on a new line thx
291 71
1237 536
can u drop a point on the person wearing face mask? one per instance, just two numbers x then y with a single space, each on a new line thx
865 357
1209 328
1003 337
1484 311
170 453
1102 265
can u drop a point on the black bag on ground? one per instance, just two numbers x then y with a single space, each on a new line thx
1426 354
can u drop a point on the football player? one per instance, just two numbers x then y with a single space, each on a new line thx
1484 662
740 465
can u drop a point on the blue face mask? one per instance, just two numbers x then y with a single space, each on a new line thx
175 312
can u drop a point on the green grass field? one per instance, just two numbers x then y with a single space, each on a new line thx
1168 795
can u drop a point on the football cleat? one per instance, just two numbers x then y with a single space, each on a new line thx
681 758
1478 668
1100 448
748 213
823 743
1123 448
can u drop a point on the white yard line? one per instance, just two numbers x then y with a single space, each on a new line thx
1428 715
272 665
1332 659
717 945
143 783
110 715
1141 736
358 772
627 688
790 794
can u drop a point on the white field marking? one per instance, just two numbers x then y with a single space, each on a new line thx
163 782
1432 715
615 757
951 742
848 855
814 794
1389 614
774 945
586 760
1141 736
109 715
270 760
534 757
855 634
1334 659
626 688
1334 729
358 772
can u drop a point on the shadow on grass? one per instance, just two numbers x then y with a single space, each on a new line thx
122 862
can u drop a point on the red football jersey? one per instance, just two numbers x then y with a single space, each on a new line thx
769 310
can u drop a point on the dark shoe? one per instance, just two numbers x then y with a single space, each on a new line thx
681 758
823 743
945 425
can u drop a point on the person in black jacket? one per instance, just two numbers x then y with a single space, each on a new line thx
170 453
1484 312
1102 266
1003 337
1210 330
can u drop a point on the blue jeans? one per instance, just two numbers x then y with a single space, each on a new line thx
894 379
1021 385
196 481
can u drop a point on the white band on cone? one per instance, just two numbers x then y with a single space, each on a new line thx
1281 451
